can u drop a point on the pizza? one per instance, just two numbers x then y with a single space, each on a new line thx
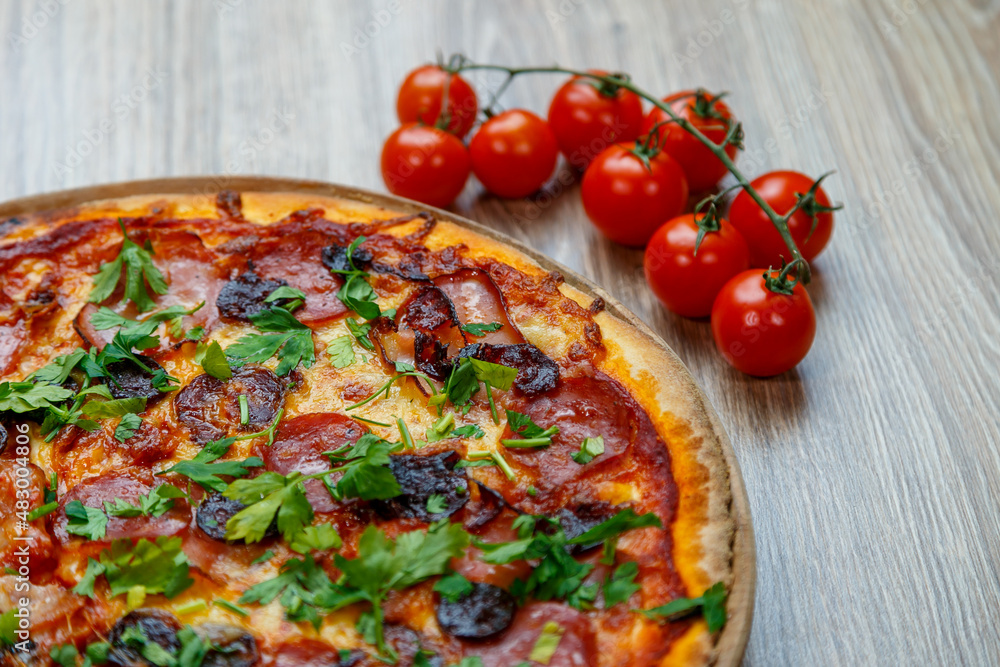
287 429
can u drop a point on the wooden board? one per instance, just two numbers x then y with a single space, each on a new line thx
733 639
873 469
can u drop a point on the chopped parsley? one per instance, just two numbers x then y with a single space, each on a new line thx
547 643
620 586
453 586
360 333
92 522
436 503
213 360
530 434
463 382
127 427
365 465
356 293
203 469
478 329
711 603
590 449
151 567
282 334
268 497
341 351
316 538
558 575
139 271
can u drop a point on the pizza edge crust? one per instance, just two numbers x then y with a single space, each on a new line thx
704 527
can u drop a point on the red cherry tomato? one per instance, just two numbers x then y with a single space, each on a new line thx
628 201
685 282
761 332
779 190
702 168
420 99
587 117
424 163
514 153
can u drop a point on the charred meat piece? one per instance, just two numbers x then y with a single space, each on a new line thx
420 477
156 625
214 513
209 407
407 643
128 380
230 646
3 437
484 505
486 611
335 258
577 522
244 296
431 356
536 372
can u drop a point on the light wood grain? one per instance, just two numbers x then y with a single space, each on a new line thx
873 470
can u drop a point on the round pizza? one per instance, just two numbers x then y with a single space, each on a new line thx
286 429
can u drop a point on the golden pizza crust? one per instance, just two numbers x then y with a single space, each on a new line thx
703 530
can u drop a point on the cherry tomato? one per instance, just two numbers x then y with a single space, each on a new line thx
424 163
587 116
761 332
702 168
779 190
687 282
420 99
514 153
626 200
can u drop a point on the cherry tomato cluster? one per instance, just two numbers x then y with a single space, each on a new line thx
639 173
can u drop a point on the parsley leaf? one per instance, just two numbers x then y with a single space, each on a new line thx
159 567
127 427
320 538
267 497
366 469
384 564
64 655
88 522
436 503
620 586
356 293
590 449
204 472
213 360
21 397
139 270
298 585
453 586
712 604
283 335
115 407
341 351
558 576
531 434
621 522
477 329
360 333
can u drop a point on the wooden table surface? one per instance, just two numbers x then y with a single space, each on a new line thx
873 469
